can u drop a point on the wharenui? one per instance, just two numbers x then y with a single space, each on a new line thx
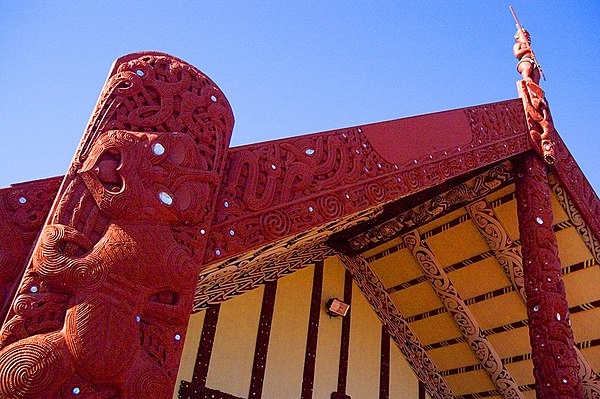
451 255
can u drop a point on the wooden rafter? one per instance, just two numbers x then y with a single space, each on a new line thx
509 256
398 328
464 318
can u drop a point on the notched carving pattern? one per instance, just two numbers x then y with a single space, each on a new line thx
460 195
398 328
103 308
554 358
465 320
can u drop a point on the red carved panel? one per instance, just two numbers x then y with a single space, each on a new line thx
105 299
554 358
282 188
23 210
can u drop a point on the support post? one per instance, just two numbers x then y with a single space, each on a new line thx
554 357
106 296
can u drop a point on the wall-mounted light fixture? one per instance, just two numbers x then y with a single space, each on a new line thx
335 307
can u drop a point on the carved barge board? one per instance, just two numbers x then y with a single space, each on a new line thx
281 189
113 273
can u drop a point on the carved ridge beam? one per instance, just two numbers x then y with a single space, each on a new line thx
507 252
409 344
462 315
509 257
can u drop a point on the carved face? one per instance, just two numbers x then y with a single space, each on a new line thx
149 176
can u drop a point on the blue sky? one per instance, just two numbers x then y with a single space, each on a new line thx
291 68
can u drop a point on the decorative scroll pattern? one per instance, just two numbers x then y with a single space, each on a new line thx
225 283
509 256
398 328
244 273
454 198
105 301
589 379
465 320
506 251
278 189
584 230
23 210
539 121
555 361
577 187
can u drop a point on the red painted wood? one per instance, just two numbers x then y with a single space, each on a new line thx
104 303
384 365
316 307
262 341
345 340
554 357
189 390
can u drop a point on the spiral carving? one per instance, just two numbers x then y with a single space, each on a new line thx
331 206
116 265
27 368
148 384
275 224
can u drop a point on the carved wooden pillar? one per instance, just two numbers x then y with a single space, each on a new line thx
105 300
554 357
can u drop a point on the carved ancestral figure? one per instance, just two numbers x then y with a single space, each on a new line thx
104 304
527 65
541 128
